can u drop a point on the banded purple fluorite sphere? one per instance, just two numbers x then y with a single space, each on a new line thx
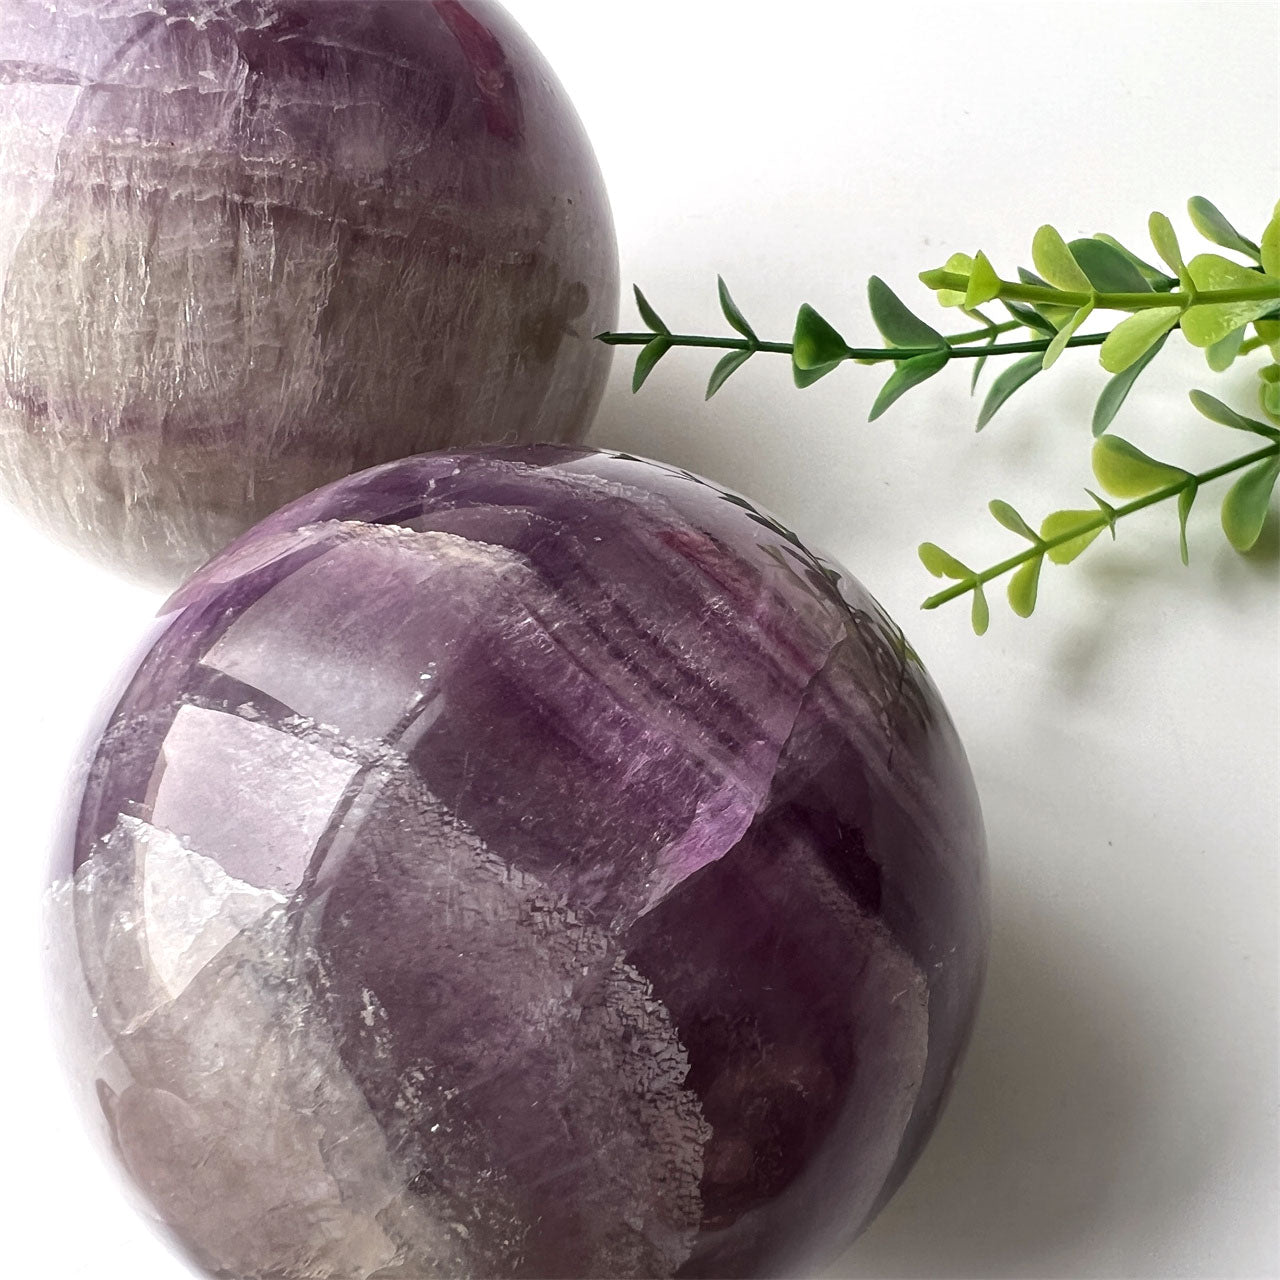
250 246
521 862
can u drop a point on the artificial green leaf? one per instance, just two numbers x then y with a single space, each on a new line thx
981 615
1225 416
1165 240
732 314
1108 511
1210 223
908 374
1108 269
648 314
1011 520
1185 499
726 367
1054 261
1269 332
649 356
1135 335
1055 315
816 345
1126 472
1080 526
1063 336
984 283
1244 509
1118 387
980 363
807 377
1221 355
1024 585
1030 317
1007 383
1207 323
1269 392
1270 247
960 264
900 327
1153 276
941 563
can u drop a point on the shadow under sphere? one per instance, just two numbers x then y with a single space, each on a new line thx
1054 1099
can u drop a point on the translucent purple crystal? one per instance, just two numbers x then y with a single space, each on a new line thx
250 246
521 862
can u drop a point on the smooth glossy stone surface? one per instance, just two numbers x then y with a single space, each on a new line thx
528 862
250 246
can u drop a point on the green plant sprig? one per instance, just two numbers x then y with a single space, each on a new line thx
1212 300
1123 471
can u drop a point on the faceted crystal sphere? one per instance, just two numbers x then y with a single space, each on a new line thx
520 862
250 246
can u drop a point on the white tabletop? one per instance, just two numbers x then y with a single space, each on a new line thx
1117 1114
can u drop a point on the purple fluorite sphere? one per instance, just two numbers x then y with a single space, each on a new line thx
248 247
521 862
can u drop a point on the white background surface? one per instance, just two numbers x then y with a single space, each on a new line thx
1117 1115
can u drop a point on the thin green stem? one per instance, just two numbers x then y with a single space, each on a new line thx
690 340
965 585
1045 295
976 335
870 354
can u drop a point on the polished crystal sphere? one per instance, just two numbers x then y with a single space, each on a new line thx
250 246
520 862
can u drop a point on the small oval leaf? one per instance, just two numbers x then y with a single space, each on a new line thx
649 356
984 283
1064 335
1225 416
1008 517
899 326
1165 240
981 614
942 564
1135 335
1185 500
1126 472
1077 529
1055 262
908 374
1117 388
807 377
816 344
1015 376
1269 332
1222 354
648 314
1244 509
1270 245
1157 279
1208 220
732 313
1023 587
1030 317
1108 269
726 367
1207 323
1269 390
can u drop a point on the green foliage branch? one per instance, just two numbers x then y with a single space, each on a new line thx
1227 307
